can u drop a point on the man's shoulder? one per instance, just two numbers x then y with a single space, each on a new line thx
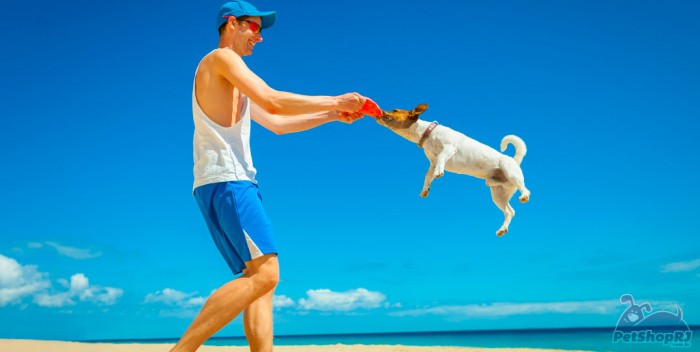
222 53
206 59
210 59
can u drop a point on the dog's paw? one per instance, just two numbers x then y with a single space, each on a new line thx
501 232
438 174
525 198
424 193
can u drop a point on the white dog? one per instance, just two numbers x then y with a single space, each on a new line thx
450 150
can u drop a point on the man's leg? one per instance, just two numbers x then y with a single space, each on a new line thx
229 300
257 323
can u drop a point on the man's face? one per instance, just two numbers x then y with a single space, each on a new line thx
246 36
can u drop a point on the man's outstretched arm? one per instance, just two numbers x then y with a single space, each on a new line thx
280 124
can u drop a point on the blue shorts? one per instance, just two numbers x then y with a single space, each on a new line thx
237 221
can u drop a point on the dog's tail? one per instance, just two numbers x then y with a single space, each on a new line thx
520 148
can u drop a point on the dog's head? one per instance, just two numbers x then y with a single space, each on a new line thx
399 118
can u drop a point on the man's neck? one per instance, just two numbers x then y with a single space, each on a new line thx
227 43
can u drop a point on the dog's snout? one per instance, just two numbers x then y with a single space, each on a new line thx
387 115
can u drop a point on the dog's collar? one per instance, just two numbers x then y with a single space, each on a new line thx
427 133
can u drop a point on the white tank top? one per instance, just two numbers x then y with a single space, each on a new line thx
221 153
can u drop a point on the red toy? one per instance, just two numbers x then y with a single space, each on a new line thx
370 108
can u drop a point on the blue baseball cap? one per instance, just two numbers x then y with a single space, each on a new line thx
239 8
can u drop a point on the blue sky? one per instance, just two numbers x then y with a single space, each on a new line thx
101 237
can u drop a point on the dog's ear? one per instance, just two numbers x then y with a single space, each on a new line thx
419 109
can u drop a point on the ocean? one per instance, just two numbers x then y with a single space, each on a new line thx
590 339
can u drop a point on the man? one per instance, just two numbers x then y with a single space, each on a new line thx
226 96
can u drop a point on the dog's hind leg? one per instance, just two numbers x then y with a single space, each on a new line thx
512 211
429 176
515 175
501 196
524 192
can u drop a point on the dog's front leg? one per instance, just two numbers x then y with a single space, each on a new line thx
429 176
441 159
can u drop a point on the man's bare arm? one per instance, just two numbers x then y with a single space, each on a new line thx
296 123
232 68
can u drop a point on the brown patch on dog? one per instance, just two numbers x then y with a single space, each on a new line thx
404 115
399 118
499 176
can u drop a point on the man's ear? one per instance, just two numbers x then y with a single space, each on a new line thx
419 109
232 21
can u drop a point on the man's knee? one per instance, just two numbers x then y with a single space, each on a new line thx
265 272
268 280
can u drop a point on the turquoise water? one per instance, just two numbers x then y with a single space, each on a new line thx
591 339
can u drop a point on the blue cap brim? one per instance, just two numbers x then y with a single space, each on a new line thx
267 19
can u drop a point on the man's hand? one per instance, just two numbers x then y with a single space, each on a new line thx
350 102
347 117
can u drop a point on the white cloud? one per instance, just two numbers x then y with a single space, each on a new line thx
34 245
281 301
509 309
663 305
197 301
180 304
73 252
57 300
18 281
109 296
63 282
327 300
10 271
79 288
394 305
79 283
496 310
175 298
681 266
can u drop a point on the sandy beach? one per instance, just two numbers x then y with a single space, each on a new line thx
60 346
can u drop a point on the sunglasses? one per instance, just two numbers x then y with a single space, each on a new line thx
253 25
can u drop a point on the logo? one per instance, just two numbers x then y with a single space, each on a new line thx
638 324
